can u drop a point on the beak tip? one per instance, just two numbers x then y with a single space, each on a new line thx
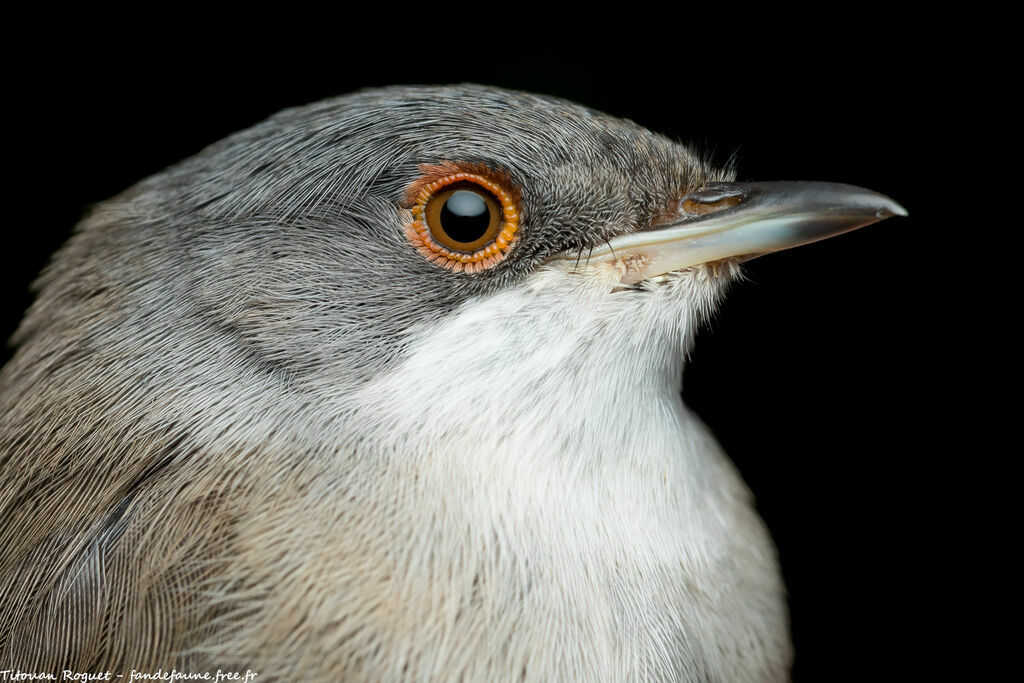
883 207
891 209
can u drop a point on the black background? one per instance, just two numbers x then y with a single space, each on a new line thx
817 373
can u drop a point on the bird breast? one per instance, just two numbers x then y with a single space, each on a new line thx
553 486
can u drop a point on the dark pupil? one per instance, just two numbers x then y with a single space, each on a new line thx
465 216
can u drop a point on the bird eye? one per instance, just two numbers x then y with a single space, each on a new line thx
464 221
464 217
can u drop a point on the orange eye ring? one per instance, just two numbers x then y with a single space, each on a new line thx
429 196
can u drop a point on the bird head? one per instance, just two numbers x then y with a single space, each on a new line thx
440 254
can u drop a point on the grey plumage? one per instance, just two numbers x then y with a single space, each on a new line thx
248 425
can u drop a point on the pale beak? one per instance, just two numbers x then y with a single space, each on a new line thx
744 220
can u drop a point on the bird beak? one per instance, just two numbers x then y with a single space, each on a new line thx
744 220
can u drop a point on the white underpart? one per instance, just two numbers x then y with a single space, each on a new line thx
557 481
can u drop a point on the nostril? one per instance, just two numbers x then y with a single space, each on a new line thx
700 206
714 197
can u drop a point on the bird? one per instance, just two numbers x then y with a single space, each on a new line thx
388 387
